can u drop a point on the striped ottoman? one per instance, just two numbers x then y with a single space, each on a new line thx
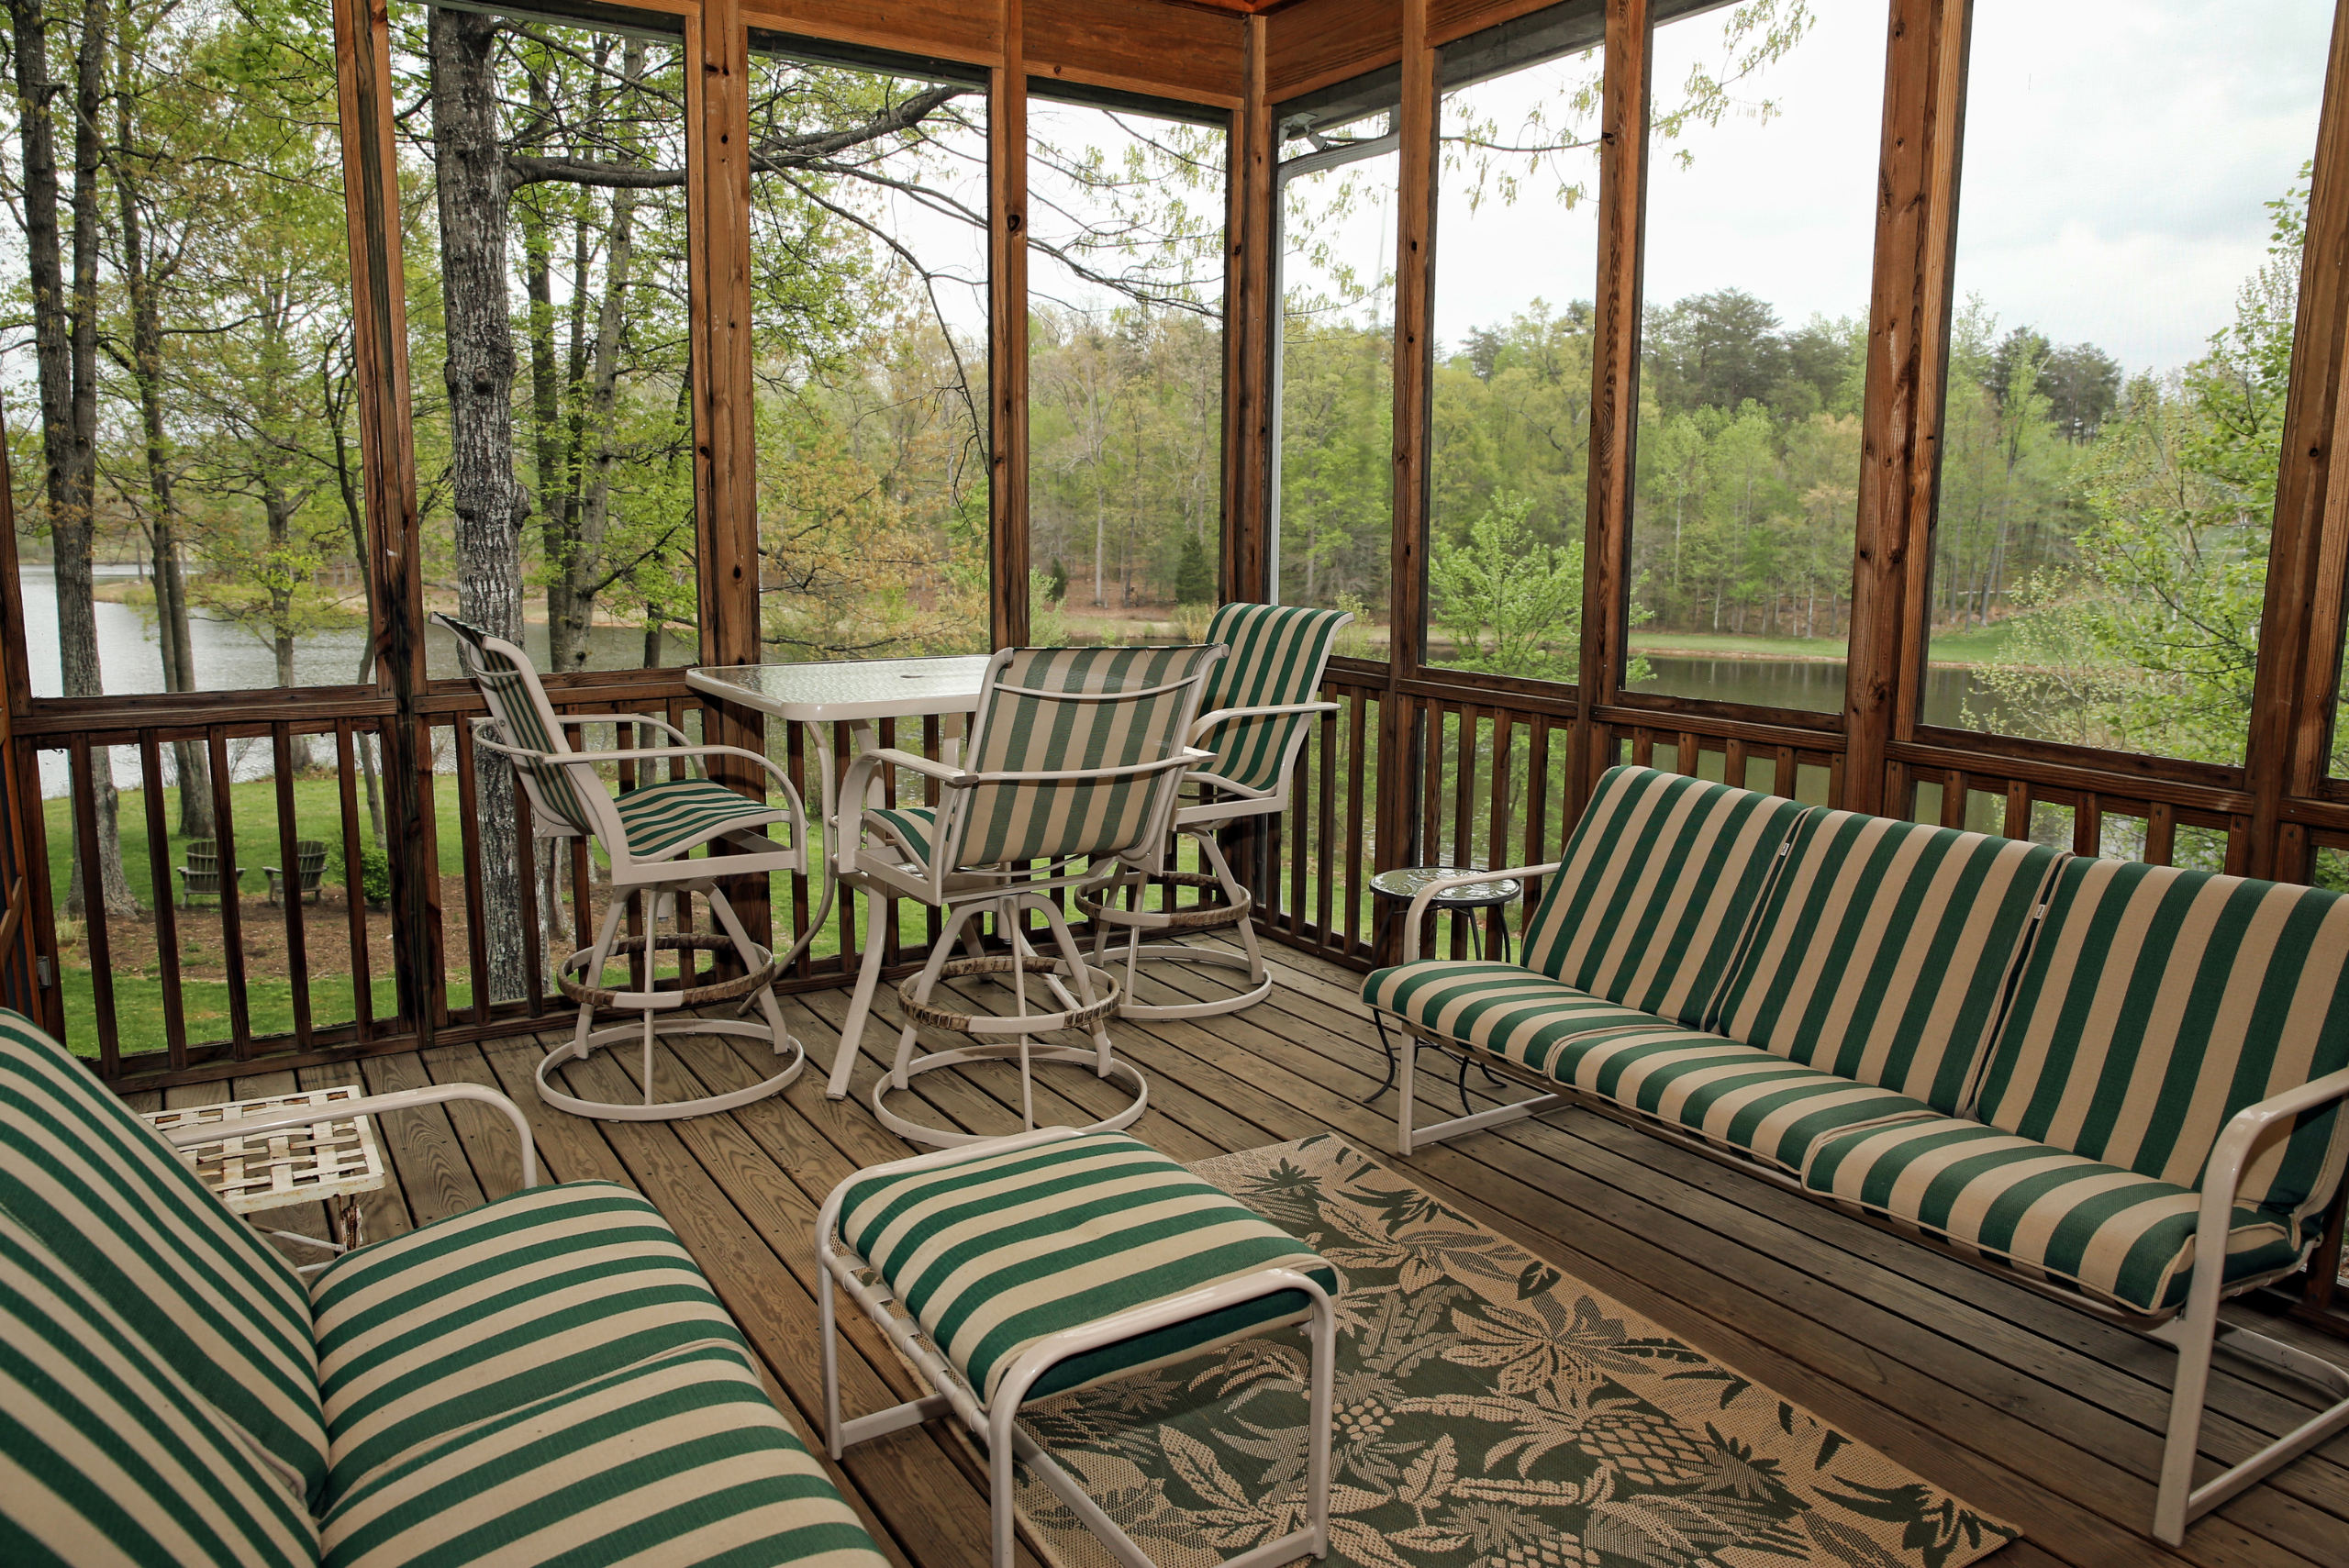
1029 1265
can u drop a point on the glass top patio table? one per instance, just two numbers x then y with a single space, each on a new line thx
857 692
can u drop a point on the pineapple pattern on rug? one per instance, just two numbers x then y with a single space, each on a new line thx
1491 1413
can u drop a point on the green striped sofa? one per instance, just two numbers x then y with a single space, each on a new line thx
2119 1082
545 1378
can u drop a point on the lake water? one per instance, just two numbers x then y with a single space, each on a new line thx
1815 686
228 658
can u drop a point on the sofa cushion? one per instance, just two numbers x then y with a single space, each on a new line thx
1728 1093
111 1455
495 1309
682 1458
2120 1236
1511 1012
1657 889
1885 952
2158 1002
994 1252
199 1286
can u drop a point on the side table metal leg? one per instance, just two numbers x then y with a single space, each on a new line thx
1386 1044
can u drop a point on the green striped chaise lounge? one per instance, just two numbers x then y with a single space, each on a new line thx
648 835
545 1379
1021 1267
2119 1083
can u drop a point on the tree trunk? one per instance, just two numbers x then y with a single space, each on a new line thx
479 375
65 351
191 762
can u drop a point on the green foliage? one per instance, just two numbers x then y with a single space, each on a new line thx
1194 575
1514 605
375 872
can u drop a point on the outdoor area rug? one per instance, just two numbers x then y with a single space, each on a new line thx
1491 1413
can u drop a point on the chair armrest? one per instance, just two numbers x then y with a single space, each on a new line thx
1208 721
2222 1177
645 719
1421 900
366 1104
929 767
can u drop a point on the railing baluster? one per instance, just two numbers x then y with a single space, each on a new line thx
1497 837
1325 821
1357 783
2087 825
934 746
2018 820
95 941
525 873
232 915
355 890
889 934
794 767
167 928
2161 834
468 850
289 882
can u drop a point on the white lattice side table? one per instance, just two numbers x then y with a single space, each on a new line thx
330 1160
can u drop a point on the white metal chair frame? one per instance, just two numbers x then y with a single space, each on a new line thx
2192 1330
666 875
996 1424
197 1135
966 894
1221 803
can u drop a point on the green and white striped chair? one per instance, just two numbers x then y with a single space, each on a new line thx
1073 762
1260 709
648 835
1028 1266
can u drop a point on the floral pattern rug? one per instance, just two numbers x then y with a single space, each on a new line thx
1491 1413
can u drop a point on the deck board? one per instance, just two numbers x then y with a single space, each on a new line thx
2013 1402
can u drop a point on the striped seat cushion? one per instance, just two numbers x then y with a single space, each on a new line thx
910 827
1729 1095
2118 1236
1657 889
662 818
679 1459
198 1285
1278 655
2158 1002
489 1310
1885 952
992 1253
111 1455
1498 1008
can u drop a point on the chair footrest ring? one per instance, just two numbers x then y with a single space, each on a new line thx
1106 995
703 996
1224 912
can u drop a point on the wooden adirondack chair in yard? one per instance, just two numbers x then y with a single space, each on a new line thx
200 875
310 857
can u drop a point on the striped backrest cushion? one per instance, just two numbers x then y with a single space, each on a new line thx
110 1453
1885 952
1118 711
114 1204
2158 1002
522 711
1656 890
1278 655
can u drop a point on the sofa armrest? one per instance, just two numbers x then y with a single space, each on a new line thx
2223 1174
1465 879
366 1104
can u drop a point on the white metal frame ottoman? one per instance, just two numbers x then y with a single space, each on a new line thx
1050 1261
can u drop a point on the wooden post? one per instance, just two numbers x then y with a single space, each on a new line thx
1399 769
726 492
2288 752
1251 317
395 574
1614 389
1915 230
1008 331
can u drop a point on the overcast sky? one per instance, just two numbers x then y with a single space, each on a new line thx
2116 158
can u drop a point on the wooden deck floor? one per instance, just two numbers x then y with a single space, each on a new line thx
2018 1405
